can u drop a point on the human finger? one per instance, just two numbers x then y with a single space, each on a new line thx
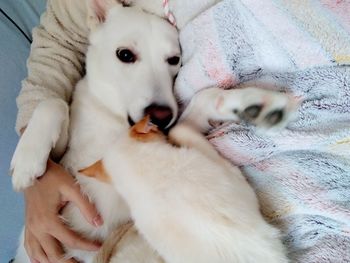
34 250
71 239
88 210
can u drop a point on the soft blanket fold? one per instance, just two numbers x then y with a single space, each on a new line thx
301 174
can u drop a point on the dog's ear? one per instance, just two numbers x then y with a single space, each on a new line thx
97 171
97 11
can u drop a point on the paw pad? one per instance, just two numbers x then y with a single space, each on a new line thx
274 117
252 112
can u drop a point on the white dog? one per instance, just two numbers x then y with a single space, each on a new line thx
130 73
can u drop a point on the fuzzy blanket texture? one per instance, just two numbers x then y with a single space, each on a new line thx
302 173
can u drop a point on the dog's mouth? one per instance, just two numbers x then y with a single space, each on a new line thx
165 130
162 123
130 121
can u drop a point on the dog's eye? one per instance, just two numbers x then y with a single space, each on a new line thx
173 60
126 55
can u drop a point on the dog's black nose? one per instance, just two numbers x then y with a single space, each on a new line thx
160 115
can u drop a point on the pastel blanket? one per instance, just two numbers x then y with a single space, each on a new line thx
301 174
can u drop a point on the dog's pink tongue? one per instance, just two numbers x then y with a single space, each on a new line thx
161 114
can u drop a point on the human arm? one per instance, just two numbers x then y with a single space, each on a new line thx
55 64
56 60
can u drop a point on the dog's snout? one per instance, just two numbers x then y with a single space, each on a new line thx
160 115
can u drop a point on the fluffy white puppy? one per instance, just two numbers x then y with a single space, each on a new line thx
132 60
189 203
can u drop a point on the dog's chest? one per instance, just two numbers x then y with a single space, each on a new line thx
92 130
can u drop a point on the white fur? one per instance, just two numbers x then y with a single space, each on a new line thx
102 101
228 105
195 192
189 203
51 117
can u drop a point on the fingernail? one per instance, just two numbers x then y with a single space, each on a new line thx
98 221
98 244
34 261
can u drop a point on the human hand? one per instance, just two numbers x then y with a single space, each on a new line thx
44 230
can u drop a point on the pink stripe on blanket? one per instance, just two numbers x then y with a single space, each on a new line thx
301 189
305 189
299 44
206 68
239 153
214 62
340 9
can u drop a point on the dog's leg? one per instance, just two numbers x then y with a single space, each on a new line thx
47 130
126 245
110 245
184 135
263 108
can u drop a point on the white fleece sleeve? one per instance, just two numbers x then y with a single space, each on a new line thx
57 56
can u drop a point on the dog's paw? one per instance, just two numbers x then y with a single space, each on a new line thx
270 109
262 108
27 164
34 147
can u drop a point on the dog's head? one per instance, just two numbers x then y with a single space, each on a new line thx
132 61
